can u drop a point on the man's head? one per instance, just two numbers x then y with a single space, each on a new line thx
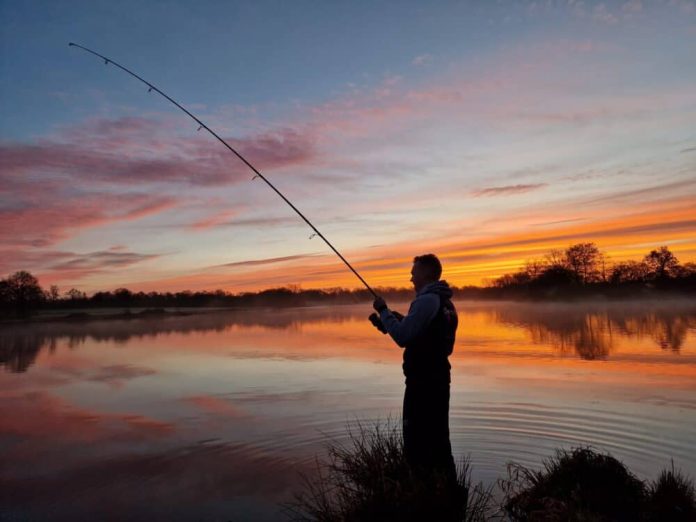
426 269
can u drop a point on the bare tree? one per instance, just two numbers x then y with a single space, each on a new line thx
74 294
53 293
555 258
534 268
584 260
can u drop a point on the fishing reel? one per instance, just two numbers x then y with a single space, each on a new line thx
377 322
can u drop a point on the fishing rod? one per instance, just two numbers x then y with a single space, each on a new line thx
202 125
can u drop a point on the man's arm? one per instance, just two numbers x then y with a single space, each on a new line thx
421 312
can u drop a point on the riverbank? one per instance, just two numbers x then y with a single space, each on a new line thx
369 479
400 299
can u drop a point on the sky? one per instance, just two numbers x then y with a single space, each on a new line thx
488 133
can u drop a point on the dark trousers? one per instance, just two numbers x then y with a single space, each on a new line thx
426 428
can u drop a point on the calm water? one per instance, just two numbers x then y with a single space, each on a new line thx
212 417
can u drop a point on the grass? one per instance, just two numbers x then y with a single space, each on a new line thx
583 485
367 478
671 497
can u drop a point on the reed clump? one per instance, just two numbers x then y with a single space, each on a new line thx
671 497
584 485
368 478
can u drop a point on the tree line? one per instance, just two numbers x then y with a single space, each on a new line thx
582 269
584 266
21 295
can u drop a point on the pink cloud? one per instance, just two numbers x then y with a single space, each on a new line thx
215 220
54 265
120 155
97 173
48 219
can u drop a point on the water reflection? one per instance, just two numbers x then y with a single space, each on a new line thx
588 331
20 344
591 332
217 412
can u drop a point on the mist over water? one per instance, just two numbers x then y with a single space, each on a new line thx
212 415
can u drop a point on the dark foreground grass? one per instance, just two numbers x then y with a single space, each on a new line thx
583 485
368 479
671 497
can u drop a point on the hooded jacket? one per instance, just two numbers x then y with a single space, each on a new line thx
427 333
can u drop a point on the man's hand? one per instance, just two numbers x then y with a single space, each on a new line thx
379 304
377 323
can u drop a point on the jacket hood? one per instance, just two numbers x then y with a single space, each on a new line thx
441 288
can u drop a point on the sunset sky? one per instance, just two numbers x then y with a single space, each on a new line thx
486 132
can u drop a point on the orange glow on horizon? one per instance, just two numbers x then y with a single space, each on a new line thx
472 262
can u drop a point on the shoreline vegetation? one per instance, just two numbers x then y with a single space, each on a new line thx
368 478
579 273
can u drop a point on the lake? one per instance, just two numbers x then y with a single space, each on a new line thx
212 416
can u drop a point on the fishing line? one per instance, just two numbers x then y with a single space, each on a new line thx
202 125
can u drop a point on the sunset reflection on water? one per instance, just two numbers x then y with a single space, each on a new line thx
217 412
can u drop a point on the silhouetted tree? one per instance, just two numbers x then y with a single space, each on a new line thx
584 260
661 262
555 276
629 272
23 292
5 300
687 271
534 268
555 258
53 293
75 295
604 268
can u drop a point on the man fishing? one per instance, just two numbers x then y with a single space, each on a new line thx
427 334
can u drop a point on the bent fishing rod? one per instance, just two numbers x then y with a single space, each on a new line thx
202 125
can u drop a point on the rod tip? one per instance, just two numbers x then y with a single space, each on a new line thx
70 44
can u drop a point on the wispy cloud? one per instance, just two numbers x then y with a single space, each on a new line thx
47 219
507 190
422 59
270 260
98 261
215 220
124 158
56 265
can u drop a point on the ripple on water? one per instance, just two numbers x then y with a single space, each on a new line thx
494 434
